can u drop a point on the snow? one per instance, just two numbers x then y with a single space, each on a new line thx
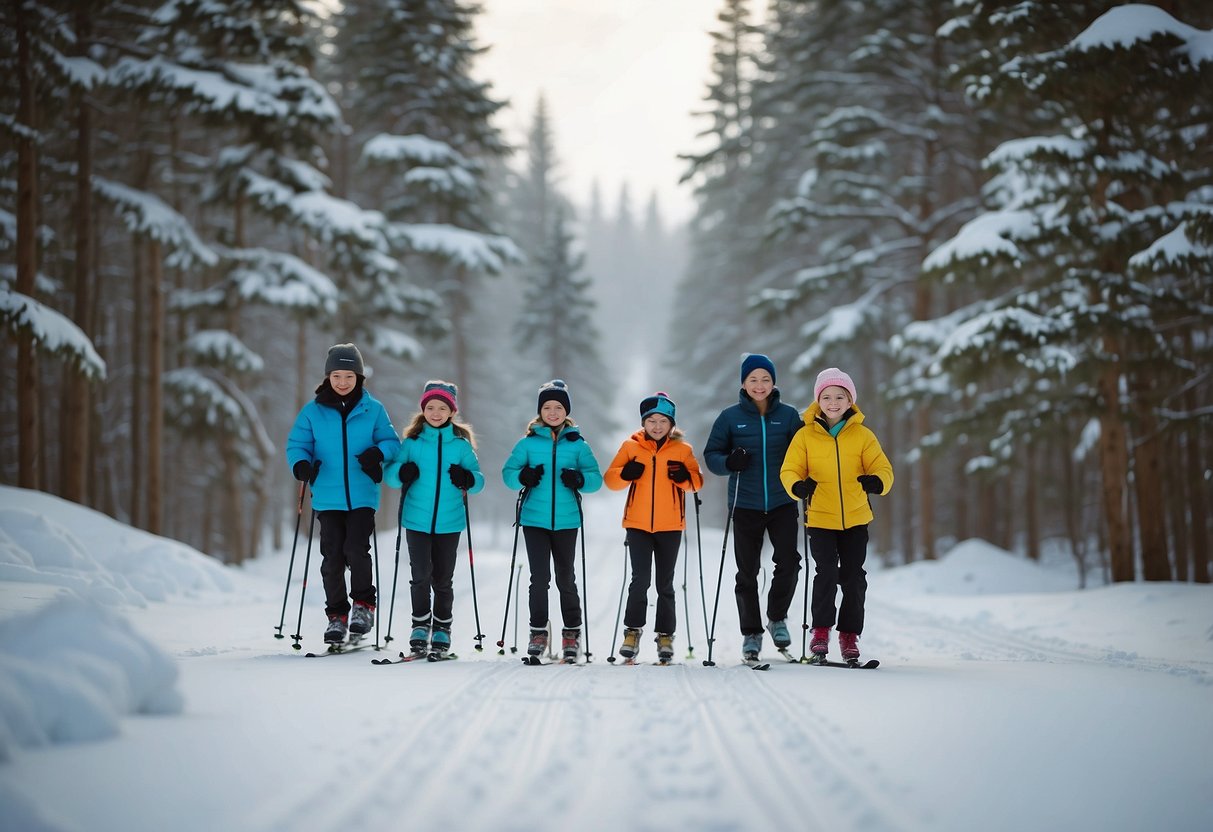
142 689
52 331
1133 23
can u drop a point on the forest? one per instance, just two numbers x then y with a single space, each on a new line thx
997 215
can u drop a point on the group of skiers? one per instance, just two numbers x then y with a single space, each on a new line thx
343 445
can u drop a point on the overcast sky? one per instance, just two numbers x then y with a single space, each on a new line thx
621 78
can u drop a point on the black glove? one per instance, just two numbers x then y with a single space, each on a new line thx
677 471
305 471
632 470
805 488
409 472
530 475
461 478
572 478
370 461
871 483
738 460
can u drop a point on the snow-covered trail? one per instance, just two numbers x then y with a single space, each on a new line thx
972 721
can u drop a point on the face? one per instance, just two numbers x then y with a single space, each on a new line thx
343 381
657 426
436 412
552 413
834 402
758 385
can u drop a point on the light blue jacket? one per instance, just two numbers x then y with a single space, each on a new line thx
551 504
326 433
432 503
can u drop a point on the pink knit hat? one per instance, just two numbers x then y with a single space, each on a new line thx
833 377
444 391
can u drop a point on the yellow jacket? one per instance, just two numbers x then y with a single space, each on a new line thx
835 463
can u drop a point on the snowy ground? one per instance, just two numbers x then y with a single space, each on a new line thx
1005 701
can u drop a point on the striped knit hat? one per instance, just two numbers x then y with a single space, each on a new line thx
442 390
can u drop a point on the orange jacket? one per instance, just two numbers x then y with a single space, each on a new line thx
655 502
836 463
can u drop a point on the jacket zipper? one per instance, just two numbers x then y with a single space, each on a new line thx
766 496
345 457
555 438
842 506
653 497
437 488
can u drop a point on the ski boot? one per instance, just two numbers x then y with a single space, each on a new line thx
537 645
419 639
631 644
780 636
665 647
337 629
570 644
440 640
819 646
849 645
751 646
362 618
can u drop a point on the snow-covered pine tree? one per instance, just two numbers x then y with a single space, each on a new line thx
1092 264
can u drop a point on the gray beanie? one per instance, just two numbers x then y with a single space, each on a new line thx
344 357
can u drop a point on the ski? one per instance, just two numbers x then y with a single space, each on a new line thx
665 663
337 649
404 657
756 664
535 661
440 657
855 664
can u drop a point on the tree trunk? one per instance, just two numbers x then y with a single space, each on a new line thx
155 389
1147 479
138 410
29 426
74 424
1114 473
926 489
1197 462
1031 513
1177 505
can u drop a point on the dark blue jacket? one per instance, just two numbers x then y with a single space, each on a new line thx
765 439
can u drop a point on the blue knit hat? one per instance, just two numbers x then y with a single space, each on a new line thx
657 403
752 361
555 391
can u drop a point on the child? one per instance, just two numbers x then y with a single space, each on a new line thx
553 463
658 468
437 468
833 464
747 444
338 445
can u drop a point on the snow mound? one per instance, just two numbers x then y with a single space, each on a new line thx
48 540
973 567
70 670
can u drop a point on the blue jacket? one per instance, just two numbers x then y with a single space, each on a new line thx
551 505
765 439
432 503
327 433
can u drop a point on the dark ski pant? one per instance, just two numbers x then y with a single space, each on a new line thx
781 525
432 565
647 549
544 548
839 556
345 543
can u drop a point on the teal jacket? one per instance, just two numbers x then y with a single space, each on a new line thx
552 505
432 503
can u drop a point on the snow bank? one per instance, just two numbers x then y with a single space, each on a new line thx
70 670
50 541
973 567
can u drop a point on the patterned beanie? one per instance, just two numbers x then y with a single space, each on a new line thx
344 357
657 403
442 390
555 391
833 377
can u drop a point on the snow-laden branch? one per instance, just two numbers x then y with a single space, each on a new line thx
149 216
471 249
52 332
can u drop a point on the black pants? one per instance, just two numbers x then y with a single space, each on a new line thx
839 556
544 548
345 542
432 565
781 526
645 549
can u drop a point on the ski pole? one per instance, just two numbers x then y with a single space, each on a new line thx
804 624
391 609
619 606
585 588
517 595
513 558
685 603
467 517
303 592
291 566
720 576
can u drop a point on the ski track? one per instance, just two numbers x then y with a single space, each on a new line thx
981 641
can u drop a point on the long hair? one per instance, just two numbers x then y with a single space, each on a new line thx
462 430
